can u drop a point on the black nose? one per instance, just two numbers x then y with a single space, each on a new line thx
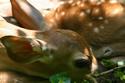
81 63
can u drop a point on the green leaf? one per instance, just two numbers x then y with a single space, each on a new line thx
60 78
120 74
108 63
122 77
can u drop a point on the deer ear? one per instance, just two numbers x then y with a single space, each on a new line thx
19 49
27 15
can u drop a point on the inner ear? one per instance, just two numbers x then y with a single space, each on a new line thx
19 49
27 15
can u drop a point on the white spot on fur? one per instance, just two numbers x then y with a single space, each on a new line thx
70 1
82 5
96 30
106 21
100 18
113 1
99 2
82 14
96 11
62 13
102 27
88 11
93 1
78 2
90 24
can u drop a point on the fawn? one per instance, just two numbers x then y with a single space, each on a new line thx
45 52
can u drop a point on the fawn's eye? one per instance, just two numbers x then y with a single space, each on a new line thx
81 63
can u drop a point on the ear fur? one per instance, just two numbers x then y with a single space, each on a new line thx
19 49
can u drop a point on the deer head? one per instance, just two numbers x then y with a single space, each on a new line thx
45 53
58 51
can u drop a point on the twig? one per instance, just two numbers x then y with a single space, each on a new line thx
108 71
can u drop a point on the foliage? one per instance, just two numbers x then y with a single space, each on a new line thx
115 72
120 74
63 78
108 63
60 78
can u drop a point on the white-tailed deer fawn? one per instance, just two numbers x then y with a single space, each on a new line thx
44 53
